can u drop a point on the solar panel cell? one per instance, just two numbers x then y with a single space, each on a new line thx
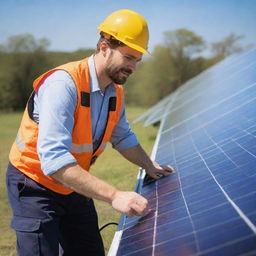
178 245
243 246
131 252
247 203
216 235
173 229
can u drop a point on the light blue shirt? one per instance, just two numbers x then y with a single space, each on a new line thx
54 106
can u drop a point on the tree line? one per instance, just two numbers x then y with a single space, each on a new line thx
23 58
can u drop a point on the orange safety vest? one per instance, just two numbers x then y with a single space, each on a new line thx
23 154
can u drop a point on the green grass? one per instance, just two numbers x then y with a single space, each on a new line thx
111 167
8 128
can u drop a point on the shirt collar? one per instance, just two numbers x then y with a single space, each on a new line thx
94 83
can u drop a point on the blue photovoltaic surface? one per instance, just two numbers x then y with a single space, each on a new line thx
208 134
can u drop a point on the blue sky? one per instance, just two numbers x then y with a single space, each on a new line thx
72 24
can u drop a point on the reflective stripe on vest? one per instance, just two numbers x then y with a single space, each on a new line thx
81 148
102 146
19 142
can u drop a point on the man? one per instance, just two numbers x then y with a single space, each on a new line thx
74 111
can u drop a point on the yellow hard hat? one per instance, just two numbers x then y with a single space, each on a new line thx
128 27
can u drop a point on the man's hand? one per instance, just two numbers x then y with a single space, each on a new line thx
138 156
157 171
130 203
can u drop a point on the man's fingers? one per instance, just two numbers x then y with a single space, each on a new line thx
156 176
166 170
160 171
130 203
136 210
139 208
169 168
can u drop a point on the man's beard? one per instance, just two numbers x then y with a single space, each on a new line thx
118 75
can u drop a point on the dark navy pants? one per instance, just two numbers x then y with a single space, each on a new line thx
43 219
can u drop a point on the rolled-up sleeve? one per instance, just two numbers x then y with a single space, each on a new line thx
57 99
123 137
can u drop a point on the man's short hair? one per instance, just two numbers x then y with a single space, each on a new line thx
111 41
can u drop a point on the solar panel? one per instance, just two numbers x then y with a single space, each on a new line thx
208 134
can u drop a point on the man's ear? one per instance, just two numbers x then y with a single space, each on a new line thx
104 47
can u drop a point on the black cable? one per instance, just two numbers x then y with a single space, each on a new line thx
110 223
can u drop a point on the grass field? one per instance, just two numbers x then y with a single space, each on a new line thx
111 167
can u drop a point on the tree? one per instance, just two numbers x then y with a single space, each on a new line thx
229 45
28 60
25 43
183 43
183 47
